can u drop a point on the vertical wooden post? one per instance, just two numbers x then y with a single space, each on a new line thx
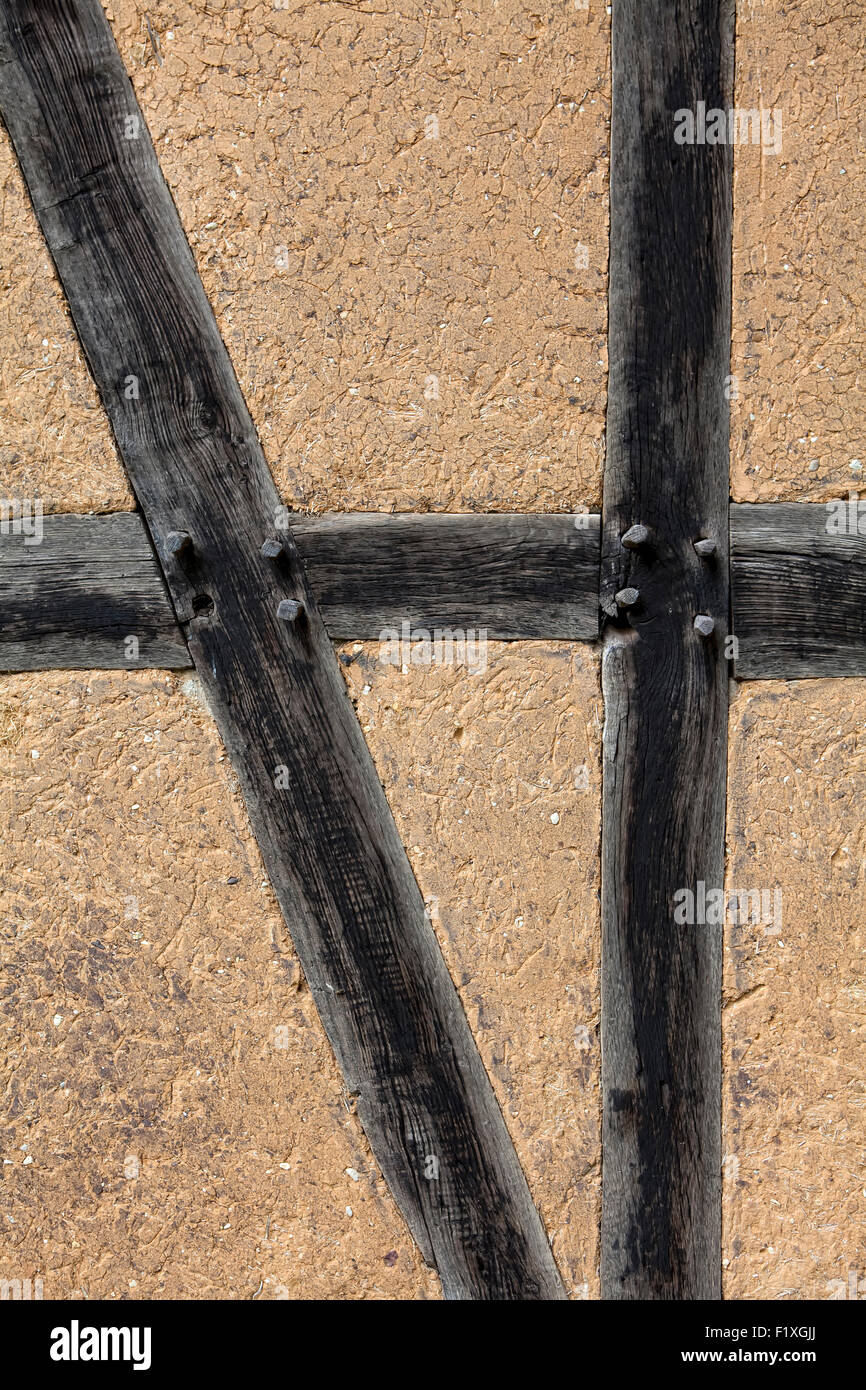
665 680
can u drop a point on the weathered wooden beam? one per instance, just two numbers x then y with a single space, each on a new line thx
518 576
798 589
73 599
88 594
665 683
798 584
319 812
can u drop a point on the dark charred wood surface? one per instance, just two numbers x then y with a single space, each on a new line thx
516 576
89 594
665 685
798 589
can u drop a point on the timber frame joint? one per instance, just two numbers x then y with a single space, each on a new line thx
664 577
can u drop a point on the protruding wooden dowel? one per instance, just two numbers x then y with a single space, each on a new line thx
176 542
635 537
289 610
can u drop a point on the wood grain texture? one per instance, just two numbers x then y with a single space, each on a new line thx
798 589
798 585
320 816
75 599
517 576
665 686
71 601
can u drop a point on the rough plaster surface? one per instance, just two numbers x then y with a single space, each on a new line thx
798 424
795 1000
55 442
495 783
175 1125
406 315
400 219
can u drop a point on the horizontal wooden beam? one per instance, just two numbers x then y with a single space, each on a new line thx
798 589
85 591
517 575
72 600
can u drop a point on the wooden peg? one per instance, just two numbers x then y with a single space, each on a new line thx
289 610
176 542
635 537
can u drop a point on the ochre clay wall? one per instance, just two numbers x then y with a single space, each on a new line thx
402 229
162 1136
798 420
794 1116
795 995
401 223
495 783
175 1122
